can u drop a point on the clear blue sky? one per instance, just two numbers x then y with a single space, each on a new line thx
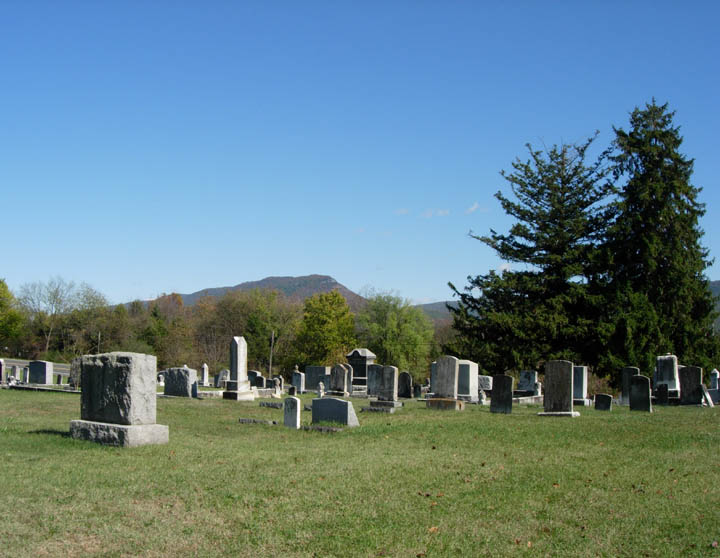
151 147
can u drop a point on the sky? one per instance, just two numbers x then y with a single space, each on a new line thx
157 147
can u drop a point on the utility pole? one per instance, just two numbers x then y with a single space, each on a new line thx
272 346
98 342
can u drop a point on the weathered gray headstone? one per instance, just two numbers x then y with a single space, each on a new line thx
339 380
640 399
204 379
331 409
417 391
667 373
558 401
502 394
298 380
41 372
374 375
237 388
714 379
252 376
433 371
74 379
690 382
468 380
388 388
281 380
179 381
118 400
603 402
446 377
580 382
262 382
26 374
405 385
528 379
314 375
662 395
321 389
292 391
291 412
485 383
625 375
359 360
221 377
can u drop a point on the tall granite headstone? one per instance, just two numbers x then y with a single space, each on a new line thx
640 398
204 375
502 394
405 385
558 401
468 381
446 377
118 400
291 412
298 380
238 388
339 383
388 388
625 375
690 382
580 382
374 377
41 372
667 373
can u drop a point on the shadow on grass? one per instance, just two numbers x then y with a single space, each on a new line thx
61 433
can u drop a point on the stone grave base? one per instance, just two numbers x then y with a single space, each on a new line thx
209 394
583 402
445 404
560 414
128 436
468 398
336 394
528 400
239 395
271 404
383 406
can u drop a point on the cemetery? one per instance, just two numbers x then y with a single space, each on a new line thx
468 464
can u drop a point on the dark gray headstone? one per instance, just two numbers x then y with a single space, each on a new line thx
603 402
446 377
417 391
640 394
528 379
714 379
502 394
374 374
690 382
360 359
298 380
662 396
179 381
558 400
339 379
388 388
405 385
314 375
331 409
580 382
625 375
41 372
222 376
667 372
292 391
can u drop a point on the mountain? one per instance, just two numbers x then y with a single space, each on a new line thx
295 288
715 290
437 311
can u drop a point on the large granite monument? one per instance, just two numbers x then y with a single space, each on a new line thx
237 388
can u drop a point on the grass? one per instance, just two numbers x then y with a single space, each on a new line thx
416 483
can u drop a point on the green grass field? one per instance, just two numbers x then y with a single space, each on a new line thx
416 483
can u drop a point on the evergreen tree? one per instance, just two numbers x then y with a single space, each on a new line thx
659 297
546 310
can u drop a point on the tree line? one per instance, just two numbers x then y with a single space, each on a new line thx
58 320
606 262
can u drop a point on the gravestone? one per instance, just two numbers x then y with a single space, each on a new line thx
74 379
221 377
281 380
359 360
339 384
603 402
580 384
667 373
291 412
252 376
690 382
485 383
662 395
179 382
3 372
41 372
502 394
118 400
446 377
321 389
237 388
625 375
640 394
706 397
417 391
387 392
714 390
374 375
314 375
261 382
331 409
468 381
204 375
292 391
558 401
405 385
433 371
528 379
15 372
26 374
298 380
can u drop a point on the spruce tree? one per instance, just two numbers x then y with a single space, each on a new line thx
546 310
659 297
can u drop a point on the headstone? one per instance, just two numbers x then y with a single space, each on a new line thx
558 401
468 381
58 379
331 409
321 389
502 394
292 391
314 375
528 379
277 388
291 412
179 382
580 382
446 378
667 373
433 371
388 388
640 393
41 372
74 379
603 402
118 400
281 380
360 359
417 391
221 377
339 384
26 374
15 372
3 372
714 379
625 375
204 375
662 395
374 375
252 376
706 397
237 388
298 380
405 385
485 383
690 382
261 382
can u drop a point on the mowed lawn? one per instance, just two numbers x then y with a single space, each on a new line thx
416 483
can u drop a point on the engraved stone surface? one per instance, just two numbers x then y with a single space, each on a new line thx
662 396
502 394
339 379
374 374
388 387
690 382
446 377
485 383
603 402
558 400
468 380
291 412
667 372
119 434
580 382
640 394
179 382
41 372
314 375
528 379
204 379
405 385
331 409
